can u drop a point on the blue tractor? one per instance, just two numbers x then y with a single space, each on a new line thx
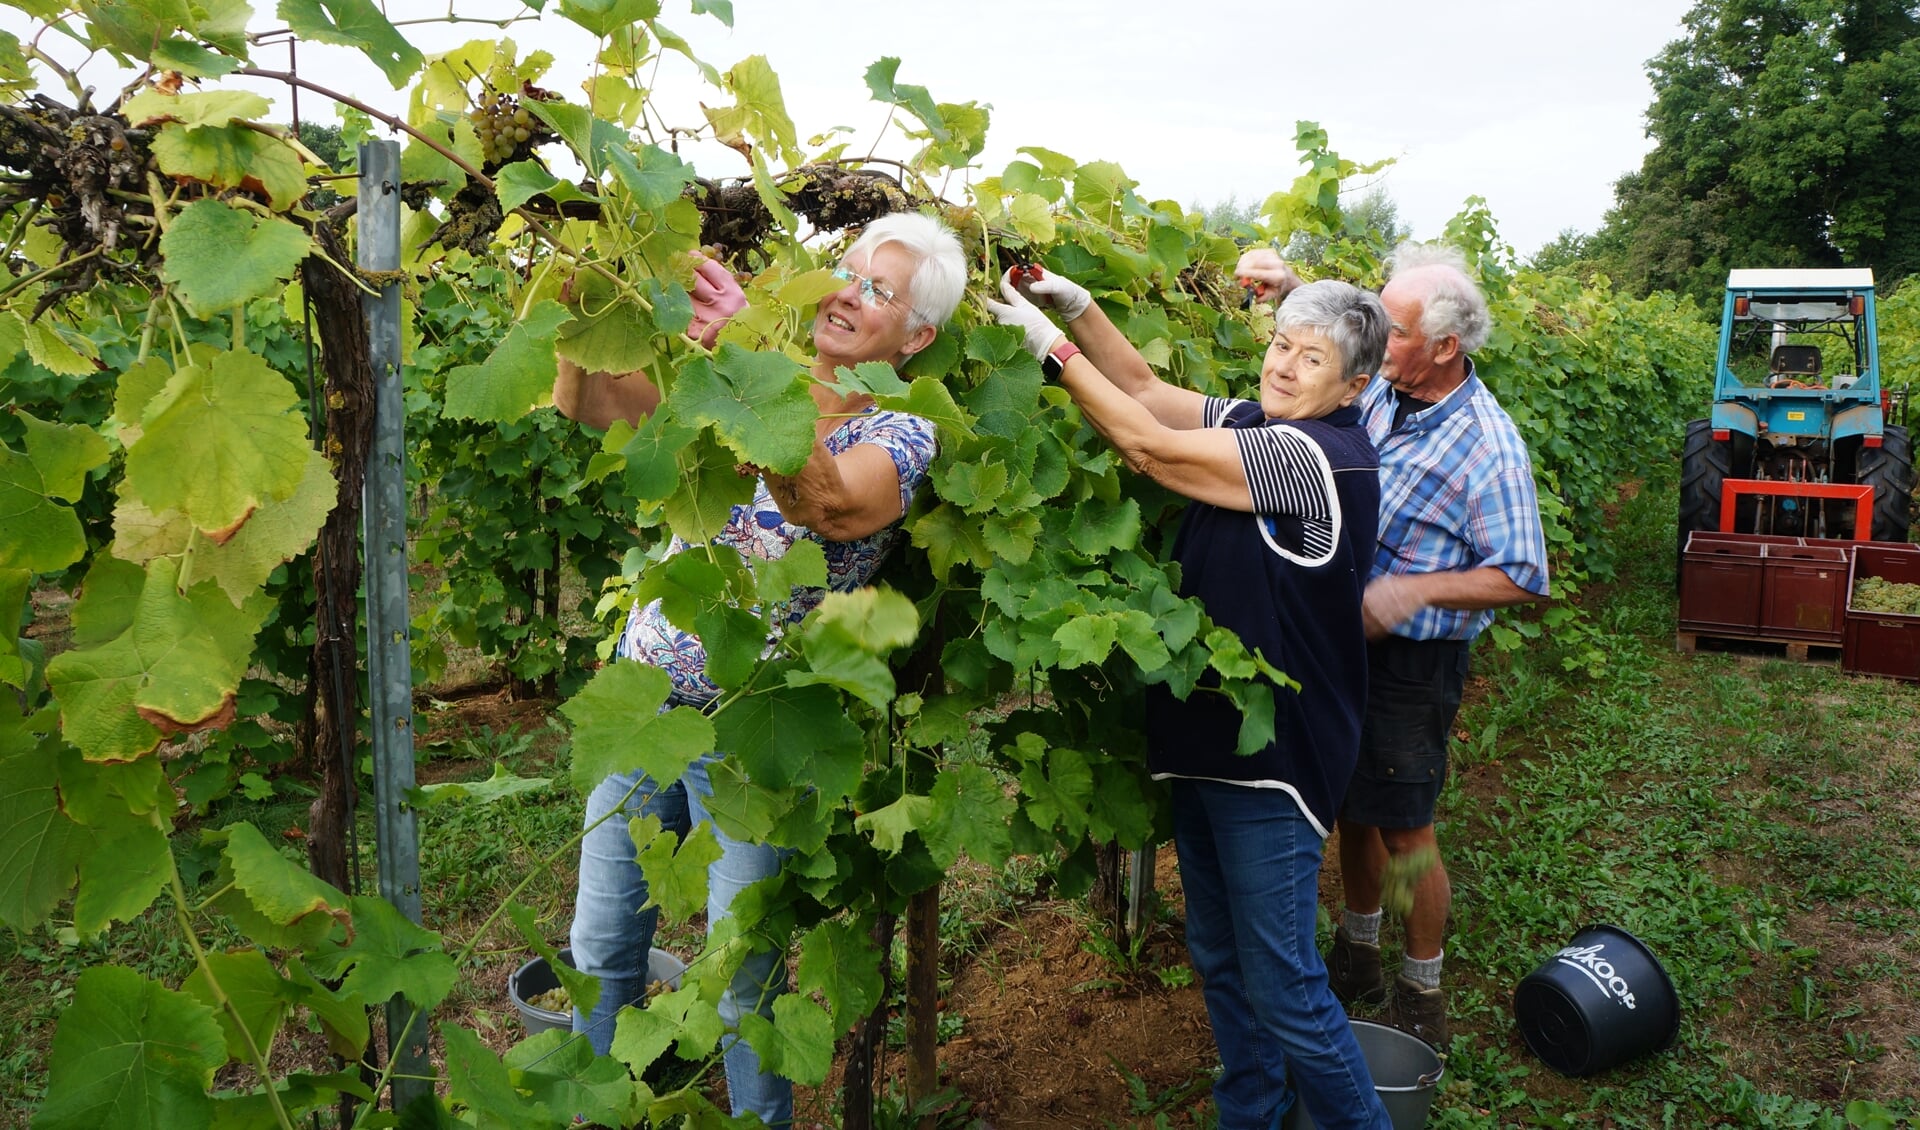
1800 421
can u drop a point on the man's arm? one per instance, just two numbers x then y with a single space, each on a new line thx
1394 599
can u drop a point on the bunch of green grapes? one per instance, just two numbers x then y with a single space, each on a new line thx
1877 594
502 124
553 1000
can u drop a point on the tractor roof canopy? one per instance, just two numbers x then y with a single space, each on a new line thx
1797 295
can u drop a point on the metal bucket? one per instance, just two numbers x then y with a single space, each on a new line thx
535 977
1602 1000
1406 1073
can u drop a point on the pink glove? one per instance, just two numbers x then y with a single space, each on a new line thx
716 297
1050 291
1390 601
1268 274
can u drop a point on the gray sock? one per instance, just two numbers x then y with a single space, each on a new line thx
1362 927
1424 972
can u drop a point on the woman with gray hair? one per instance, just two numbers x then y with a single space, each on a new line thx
1275 543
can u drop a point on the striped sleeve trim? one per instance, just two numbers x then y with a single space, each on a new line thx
1287 473
1213 414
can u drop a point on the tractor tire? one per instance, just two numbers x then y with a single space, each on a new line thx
1705 463
1888 469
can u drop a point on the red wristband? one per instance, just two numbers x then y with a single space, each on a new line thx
1056 359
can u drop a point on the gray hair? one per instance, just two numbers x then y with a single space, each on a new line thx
939 267
1451 305
1351 318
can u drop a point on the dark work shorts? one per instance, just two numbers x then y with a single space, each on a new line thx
1413 693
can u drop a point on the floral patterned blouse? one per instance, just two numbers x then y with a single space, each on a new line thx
759 532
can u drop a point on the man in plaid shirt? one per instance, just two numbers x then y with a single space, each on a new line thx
1460 536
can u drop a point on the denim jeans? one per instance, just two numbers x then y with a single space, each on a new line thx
1250 870
612 935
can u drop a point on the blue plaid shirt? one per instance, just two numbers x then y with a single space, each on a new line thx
1456 493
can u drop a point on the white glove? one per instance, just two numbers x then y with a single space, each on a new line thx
1268 274
1390 601
1042 334
1050 291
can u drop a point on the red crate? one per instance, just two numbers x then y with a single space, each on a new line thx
1882 643
1720 582
1803 592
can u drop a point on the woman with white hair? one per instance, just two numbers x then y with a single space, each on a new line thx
902 279
1275 543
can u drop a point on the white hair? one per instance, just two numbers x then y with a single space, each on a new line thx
1451 305
939 267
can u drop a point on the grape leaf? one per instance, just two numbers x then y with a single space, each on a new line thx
712 487
516 377
130 1054
122 874
604 17
253 986
210 108
1060 793
18 668
840 962
974 487
521 181
227 157
642 1035
950 538
743 808
40 846
617 727
889 825
797 1043
220 440
1256 717
654 176
930 400
58 352
876 378
757 402
1100 526
652 456
913 99
502 784
282 892
734 639
176 666
478 1082
761 110
1086 640
792 736
275 533
560 1073
616 338
971 810
387 957
359 24
37 533
342 1016
1011 537
676 870
803 565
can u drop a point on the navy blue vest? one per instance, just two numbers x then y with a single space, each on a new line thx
1292 593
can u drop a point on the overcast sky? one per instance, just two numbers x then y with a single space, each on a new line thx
1535 106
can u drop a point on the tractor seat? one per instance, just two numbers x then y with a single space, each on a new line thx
1795 361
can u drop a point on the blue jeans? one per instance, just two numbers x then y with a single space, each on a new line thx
1250 870
612 935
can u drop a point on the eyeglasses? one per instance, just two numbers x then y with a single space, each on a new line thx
873 293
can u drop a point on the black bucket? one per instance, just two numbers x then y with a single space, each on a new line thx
1602 1000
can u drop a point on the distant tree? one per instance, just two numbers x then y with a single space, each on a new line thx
1225 217
327 144
1783 133
1374 218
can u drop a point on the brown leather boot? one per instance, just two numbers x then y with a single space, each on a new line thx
1419 1012
1354 971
